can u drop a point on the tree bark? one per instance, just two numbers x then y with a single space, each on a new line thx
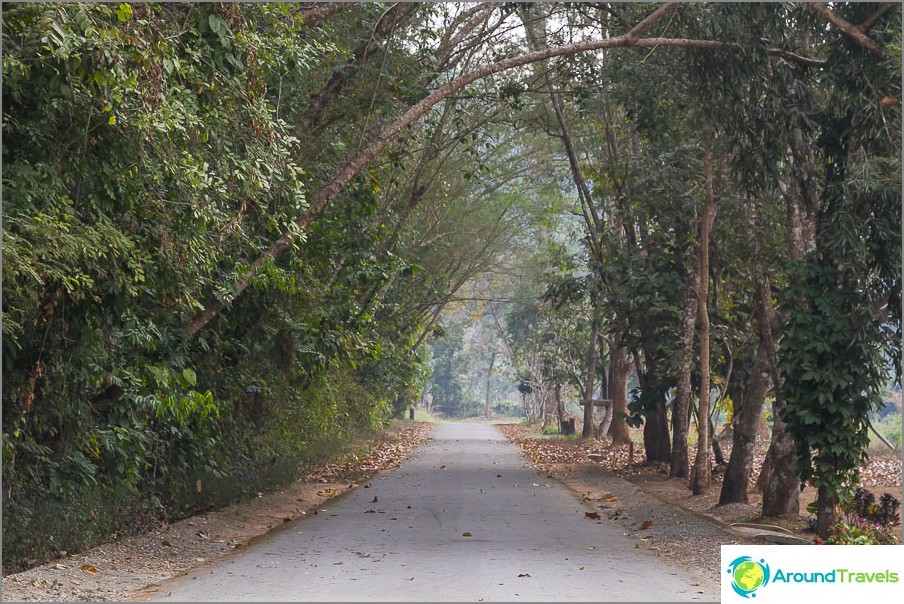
781 494
312 14
702 477
618 429
486 407
853 31
825 512
746 426
592 360
656 436
560 406
655 426
680 463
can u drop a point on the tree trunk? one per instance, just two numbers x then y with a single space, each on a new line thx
618 429
592 359
606 421
718 456
702 467
779 479
486 407
656 424
825 513
560 407
782 494
746 426
680 462
656 436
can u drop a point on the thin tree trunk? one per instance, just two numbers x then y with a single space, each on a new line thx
702 467
718 456
486 406
560 406
680 462
592 360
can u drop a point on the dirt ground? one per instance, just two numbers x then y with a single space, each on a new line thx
622 489
563 458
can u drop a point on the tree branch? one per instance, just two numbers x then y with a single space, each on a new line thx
853 31
874 18
355 161
314 13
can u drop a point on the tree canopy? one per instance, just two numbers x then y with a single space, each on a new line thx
234 233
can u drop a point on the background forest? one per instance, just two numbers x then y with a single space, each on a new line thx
237 237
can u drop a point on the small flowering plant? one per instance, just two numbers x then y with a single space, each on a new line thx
860 532
866 521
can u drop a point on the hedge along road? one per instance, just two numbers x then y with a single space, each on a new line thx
465 519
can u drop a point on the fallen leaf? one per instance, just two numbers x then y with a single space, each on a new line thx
375 499
498 475
578 568
592 515
646 524
87 568
524 575
466 534
888 101
442 467
167 544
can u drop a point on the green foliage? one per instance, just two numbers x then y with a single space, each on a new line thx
146 163
833 368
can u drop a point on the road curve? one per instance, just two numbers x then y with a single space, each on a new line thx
465 519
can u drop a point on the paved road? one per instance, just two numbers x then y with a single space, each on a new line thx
466 519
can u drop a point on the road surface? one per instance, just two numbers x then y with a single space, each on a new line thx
465 519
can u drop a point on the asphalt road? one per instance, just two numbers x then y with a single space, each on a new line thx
465 519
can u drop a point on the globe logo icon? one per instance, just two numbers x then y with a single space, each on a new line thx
748 575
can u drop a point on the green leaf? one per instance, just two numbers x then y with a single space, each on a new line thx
124 12
189 377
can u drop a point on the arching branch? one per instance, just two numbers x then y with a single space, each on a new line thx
356 161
